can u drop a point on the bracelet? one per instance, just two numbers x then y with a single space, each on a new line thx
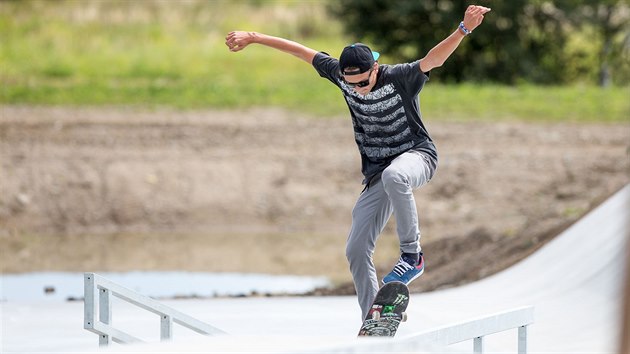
464 29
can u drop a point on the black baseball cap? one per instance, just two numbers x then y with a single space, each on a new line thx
357 55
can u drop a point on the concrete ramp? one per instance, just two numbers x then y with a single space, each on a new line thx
575 283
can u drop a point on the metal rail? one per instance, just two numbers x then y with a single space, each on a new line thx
98 314
475 330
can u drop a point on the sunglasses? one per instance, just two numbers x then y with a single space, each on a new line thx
360 83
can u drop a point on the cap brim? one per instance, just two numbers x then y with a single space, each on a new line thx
376 55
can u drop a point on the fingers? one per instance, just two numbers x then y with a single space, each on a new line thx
233 42
477 10
230 36
234 46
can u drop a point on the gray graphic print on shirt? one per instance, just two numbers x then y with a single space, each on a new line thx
381 126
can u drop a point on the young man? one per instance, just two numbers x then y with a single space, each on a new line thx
397 154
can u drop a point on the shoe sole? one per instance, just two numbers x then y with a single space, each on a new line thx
407 283
415 277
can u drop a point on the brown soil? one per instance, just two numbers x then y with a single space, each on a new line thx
267 190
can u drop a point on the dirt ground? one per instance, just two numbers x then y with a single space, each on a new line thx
270 191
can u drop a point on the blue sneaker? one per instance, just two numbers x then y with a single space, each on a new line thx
406 270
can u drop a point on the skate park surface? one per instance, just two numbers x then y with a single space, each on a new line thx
575 283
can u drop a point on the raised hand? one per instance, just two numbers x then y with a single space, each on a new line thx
474 16
238 40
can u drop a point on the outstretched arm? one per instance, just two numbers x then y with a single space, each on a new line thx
238 40
438 55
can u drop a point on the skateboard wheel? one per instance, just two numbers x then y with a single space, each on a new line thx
376 315
404 317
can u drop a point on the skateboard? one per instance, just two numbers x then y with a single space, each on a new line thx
387 311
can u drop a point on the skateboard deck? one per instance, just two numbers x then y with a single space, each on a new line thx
387 311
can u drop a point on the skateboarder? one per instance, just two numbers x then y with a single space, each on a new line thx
397 153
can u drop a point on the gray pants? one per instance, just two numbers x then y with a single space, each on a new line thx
393 193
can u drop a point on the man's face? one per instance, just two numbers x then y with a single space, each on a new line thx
364 82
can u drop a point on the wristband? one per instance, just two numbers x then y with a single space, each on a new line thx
464 29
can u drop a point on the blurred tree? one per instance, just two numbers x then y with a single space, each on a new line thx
407 29
611 20
519 39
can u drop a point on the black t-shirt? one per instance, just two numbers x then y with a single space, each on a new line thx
387 121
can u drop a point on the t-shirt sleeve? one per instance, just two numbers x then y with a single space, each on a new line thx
410 77
327 67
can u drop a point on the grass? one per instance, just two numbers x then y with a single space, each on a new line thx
527 102
155 54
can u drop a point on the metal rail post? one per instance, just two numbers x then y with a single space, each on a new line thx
478 345
166 328
522 340
93 284
104 314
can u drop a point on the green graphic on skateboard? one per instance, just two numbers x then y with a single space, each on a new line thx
387 311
